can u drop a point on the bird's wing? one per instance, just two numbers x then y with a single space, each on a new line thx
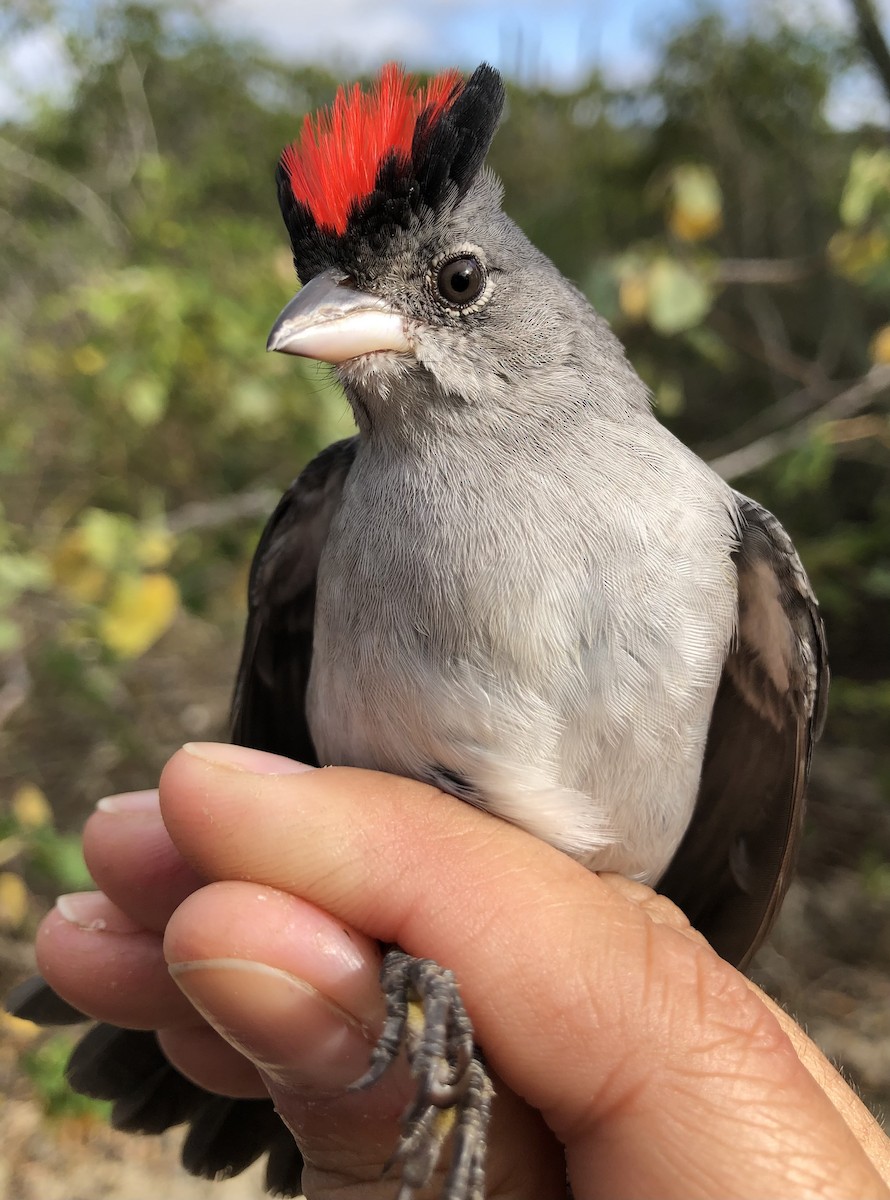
268 708
126 1066
733 867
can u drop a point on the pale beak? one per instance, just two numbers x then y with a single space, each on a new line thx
333 321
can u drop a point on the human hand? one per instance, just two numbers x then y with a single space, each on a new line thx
645 1063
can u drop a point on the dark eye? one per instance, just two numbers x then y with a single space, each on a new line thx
460 280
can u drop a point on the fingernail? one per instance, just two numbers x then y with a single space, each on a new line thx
242 758
285 1026
94 913
130 802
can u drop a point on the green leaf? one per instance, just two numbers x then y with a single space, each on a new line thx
868 179
24 573
877 582
105 535
679 298
59 856
601 287
252 403
146 401
711 347
10 635
45 1066
808 468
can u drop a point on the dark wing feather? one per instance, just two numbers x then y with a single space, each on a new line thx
734 865
126 1066
268 709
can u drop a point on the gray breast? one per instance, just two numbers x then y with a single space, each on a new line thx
536 639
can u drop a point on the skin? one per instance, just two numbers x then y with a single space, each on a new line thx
240 916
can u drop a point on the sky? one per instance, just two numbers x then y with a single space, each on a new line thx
549 41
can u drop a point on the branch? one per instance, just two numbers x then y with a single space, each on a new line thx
766 449
213 514
143 135
767 270
79 196
784 412
252 505
872 39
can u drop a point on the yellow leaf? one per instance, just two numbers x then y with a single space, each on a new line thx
154 548
13 900
633 295
692 227
141 608
856 255
880 345
19 1030
75 570
696 203
89 360
30 807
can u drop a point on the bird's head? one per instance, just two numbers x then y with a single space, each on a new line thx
410 268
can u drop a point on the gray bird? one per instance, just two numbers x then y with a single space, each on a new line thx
513 583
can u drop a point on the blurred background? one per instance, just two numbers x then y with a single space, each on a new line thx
716 177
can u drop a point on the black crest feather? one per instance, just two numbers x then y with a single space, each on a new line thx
446 156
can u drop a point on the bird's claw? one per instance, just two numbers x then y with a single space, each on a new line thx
425 1014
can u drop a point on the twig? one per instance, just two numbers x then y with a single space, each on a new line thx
873 42
766 449
776 357
16 956
767 321
17 686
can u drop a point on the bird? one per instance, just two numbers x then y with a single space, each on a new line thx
512 583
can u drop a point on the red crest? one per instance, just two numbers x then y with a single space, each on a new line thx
334 162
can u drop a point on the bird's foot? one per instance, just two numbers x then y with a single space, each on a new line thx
425 1014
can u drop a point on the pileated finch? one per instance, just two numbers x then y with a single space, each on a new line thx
512 583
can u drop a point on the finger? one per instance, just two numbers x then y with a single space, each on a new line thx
689 1083
205 1057
298 994
864 1126
103 963
133 861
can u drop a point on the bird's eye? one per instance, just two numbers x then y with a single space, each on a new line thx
460 280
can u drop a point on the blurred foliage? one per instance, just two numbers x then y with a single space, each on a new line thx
47 858
736 239
45 1065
